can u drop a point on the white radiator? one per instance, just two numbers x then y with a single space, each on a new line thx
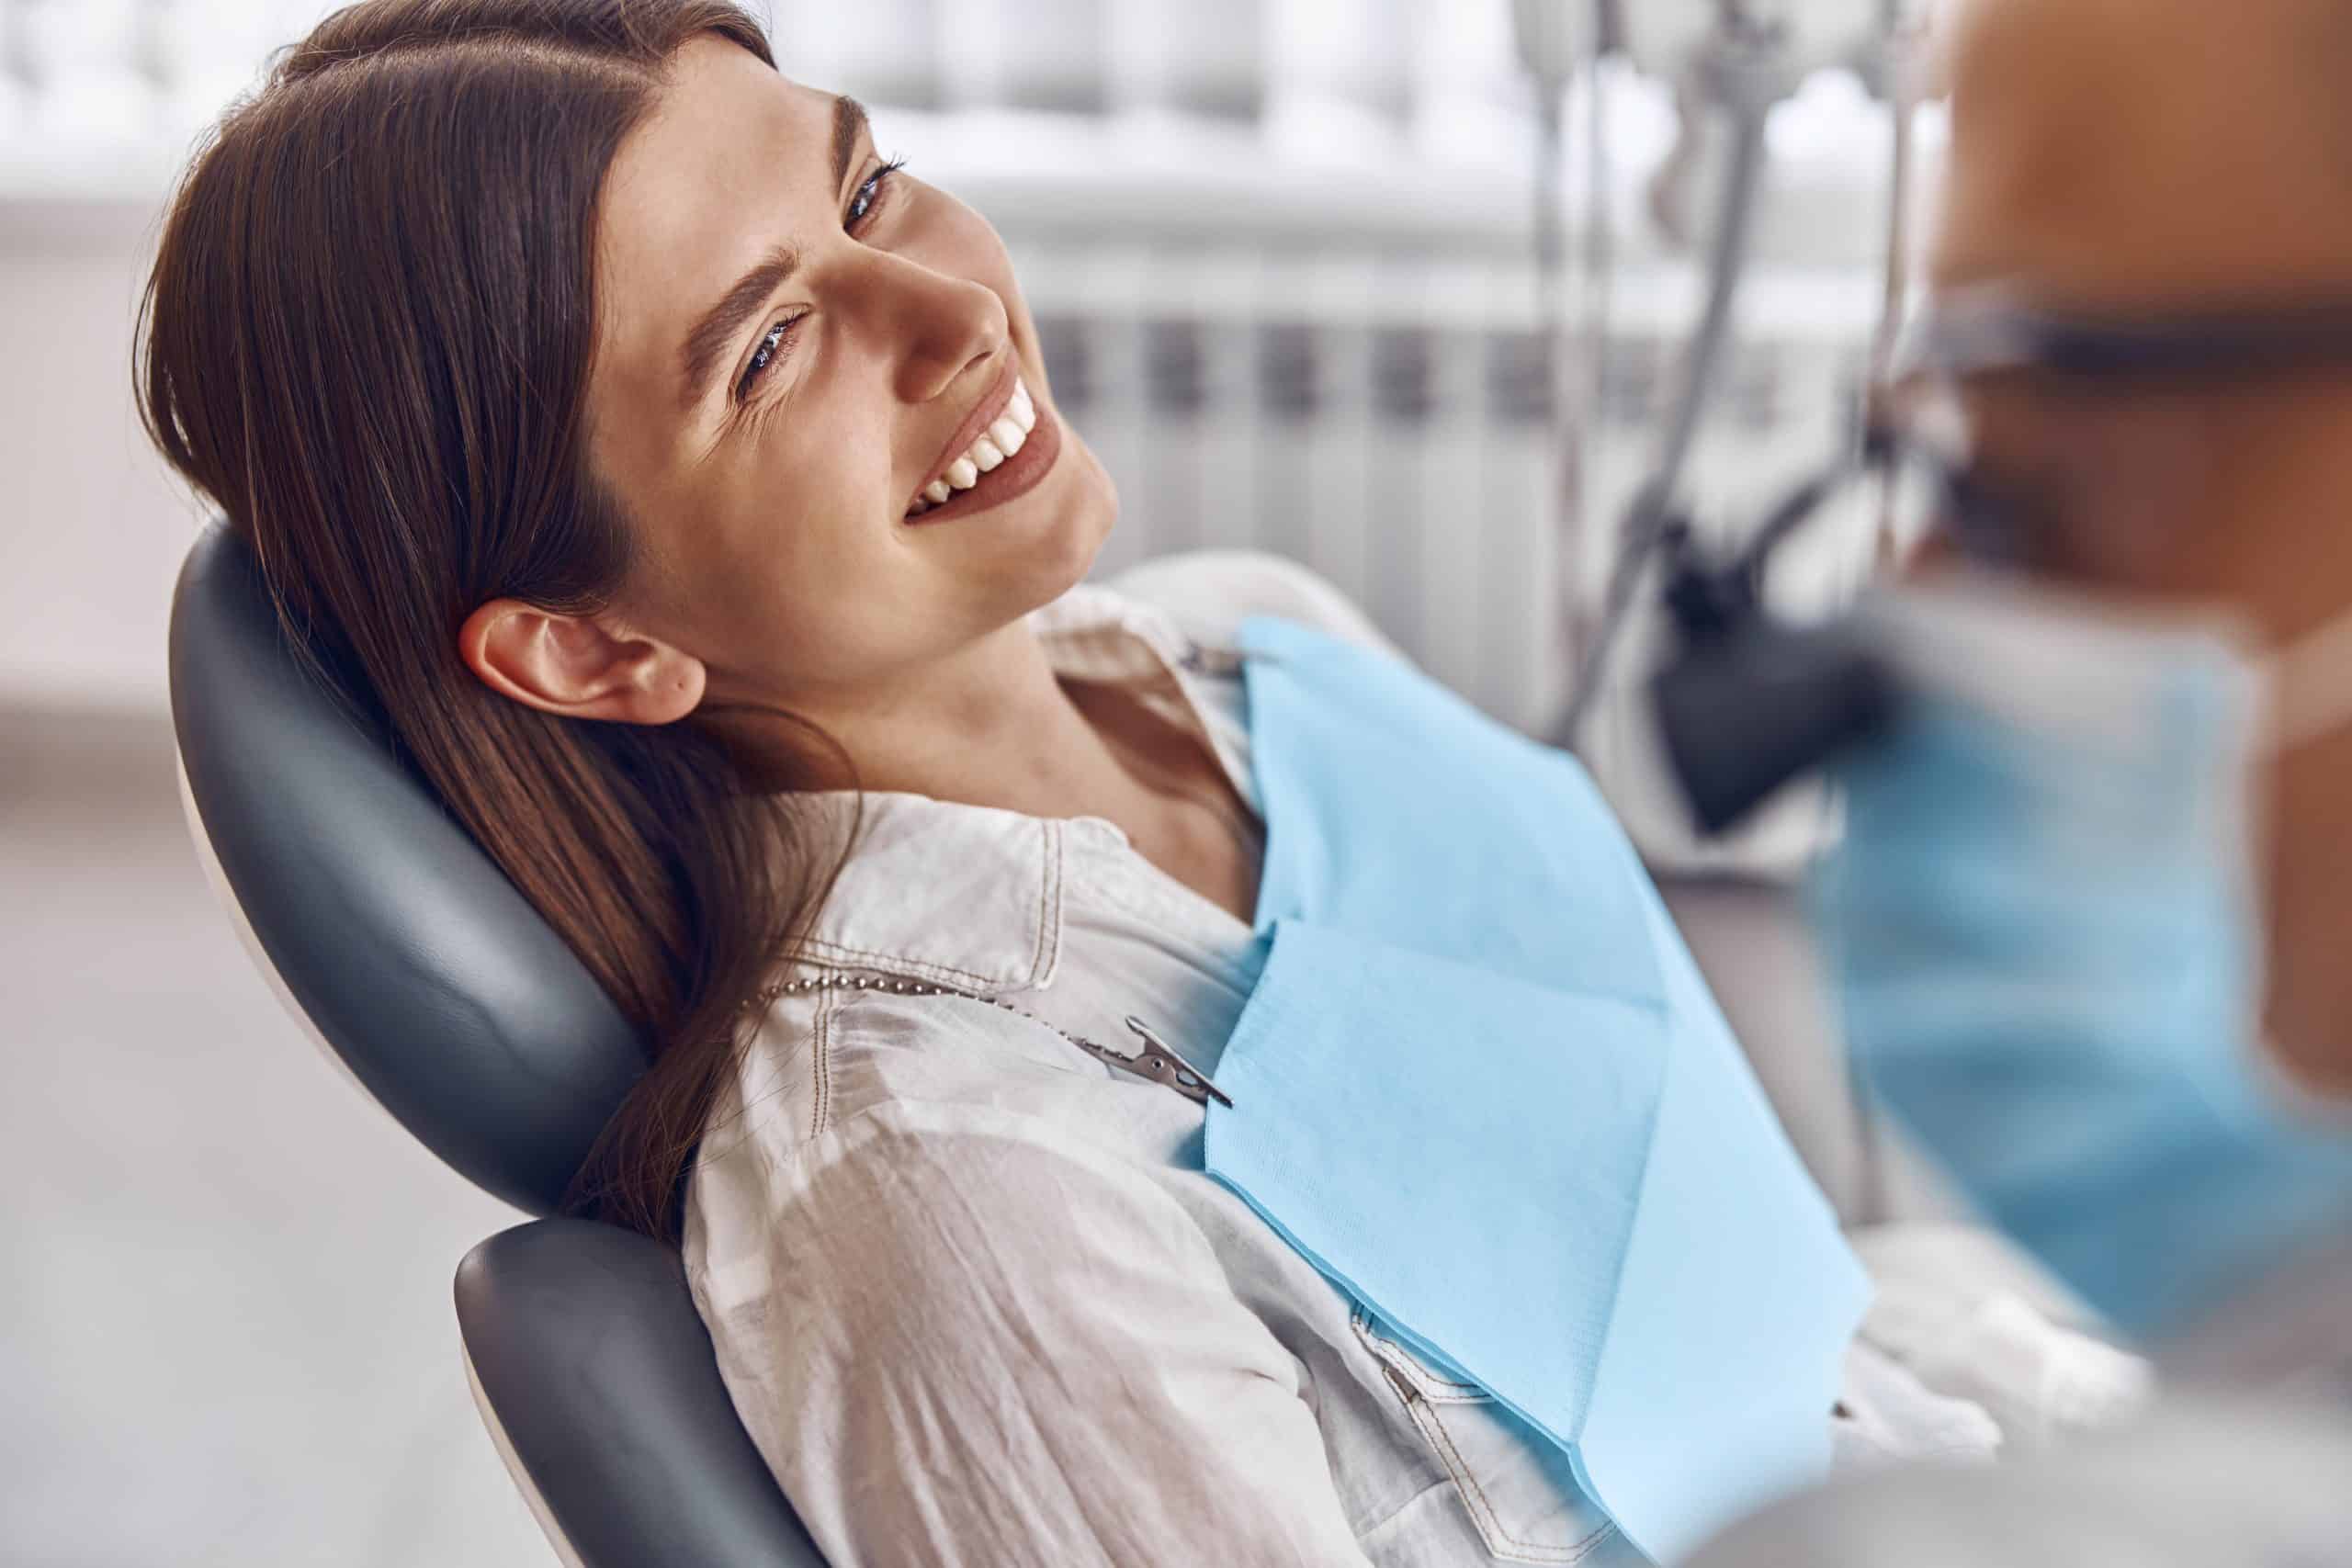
1315 409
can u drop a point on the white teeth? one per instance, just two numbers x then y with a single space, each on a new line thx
987 453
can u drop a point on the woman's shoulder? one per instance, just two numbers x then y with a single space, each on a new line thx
1208 594
826 1070
848 1100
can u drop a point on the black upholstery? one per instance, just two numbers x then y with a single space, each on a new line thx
468 1019
586 1344
451 1000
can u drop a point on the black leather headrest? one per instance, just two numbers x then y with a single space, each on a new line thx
436 983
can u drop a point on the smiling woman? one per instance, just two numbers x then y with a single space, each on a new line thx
669 478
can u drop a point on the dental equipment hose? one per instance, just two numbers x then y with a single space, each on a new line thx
1572 356
1747 87
1555 48
1561 404
1900 42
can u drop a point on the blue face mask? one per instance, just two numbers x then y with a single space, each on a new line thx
2044 927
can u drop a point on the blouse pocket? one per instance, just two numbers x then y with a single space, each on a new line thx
1518 1487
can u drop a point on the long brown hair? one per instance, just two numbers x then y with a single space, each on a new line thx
367 338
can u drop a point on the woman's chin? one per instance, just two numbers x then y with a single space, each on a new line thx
1067 522
1076 540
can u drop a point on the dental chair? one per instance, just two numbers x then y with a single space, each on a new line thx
407 957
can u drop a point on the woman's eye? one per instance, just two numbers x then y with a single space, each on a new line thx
869 194
770 346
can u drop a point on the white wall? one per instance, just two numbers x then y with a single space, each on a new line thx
93 528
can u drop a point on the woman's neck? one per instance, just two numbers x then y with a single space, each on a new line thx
991 725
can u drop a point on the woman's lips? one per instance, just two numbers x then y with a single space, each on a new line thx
1010 478
984 415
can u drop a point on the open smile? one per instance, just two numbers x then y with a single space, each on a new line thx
1006 447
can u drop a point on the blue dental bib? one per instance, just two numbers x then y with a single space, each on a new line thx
1482 1086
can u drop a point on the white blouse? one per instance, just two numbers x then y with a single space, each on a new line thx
972 1293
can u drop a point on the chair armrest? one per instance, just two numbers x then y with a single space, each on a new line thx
600 1383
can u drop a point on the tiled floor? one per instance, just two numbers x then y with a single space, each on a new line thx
225 1329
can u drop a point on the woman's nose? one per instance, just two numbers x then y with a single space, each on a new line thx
933 323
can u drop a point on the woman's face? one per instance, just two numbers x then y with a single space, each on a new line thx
795 342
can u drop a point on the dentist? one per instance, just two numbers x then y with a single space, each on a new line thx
2089 923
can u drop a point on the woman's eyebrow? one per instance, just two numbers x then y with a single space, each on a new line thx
849 124
706 342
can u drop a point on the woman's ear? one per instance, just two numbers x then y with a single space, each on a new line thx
579 665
